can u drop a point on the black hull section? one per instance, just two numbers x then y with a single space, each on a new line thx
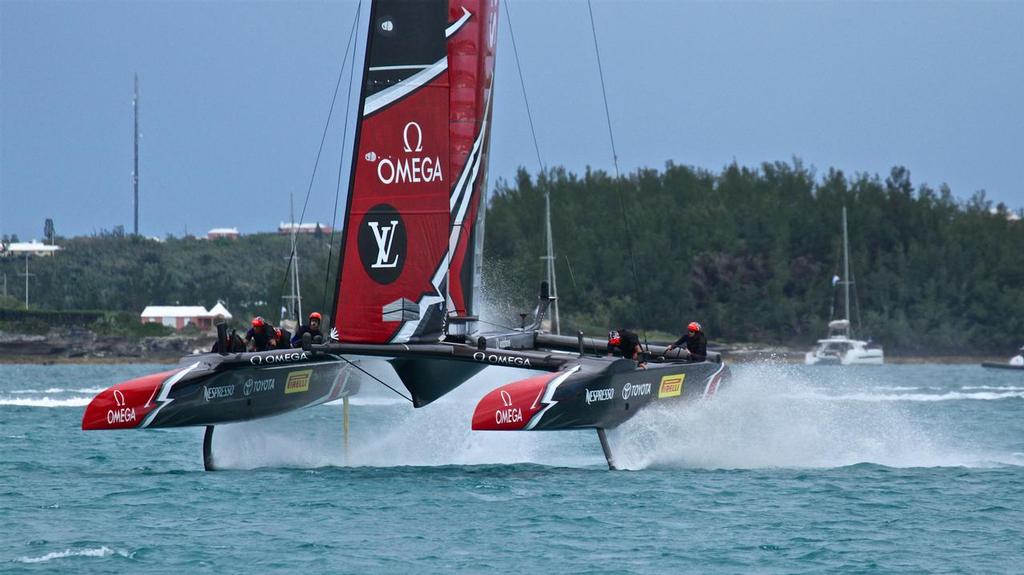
252 392
580 400
1007 366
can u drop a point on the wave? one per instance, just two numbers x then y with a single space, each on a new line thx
45 401
994 387
949 396
97 552
58 390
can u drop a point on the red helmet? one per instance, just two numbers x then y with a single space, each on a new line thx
277 332
257 321
614 338
694 326
315 315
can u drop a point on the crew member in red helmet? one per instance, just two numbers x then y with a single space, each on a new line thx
312 328
260 336
695 342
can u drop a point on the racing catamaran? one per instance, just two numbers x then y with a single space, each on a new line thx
409 271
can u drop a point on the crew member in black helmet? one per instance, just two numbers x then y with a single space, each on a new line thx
260 336
312 328
695 342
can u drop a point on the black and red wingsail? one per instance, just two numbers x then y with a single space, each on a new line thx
418 172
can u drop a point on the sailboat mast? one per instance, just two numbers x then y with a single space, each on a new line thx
295 297
846 266
135 169
550 257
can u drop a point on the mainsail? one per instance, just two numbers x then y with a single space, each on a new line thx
414 219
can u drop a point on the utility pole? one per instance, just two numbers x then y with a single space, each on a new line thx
27 275
135 170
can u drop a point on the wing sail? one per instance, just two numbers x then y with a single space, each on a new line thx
418 171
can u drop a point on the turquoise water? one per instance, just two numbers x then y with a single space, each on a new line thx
791 469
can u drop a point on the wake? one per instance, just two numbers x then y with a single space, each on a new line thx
775 416
769 416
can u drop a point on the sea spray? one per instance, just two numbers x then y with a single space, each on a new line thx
783 416
386 433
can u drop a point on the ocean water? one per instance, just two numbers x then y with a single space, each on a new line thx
791 469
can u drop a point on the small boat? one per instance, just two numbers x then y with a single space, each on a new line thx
839 347
1016 362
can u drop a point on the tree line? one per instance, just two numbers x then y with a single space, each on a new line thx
751 253
748 252
115 272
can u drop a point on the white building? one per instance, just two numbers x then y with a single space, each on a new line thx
179 316
230 233
289 227
33 248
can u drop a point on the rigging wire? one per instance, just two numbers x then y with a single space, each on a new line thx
618 178
548 257
522 85
341 160
375 378
323 139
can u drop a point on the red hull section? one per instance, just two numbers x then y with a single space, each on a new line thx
510 407
126 404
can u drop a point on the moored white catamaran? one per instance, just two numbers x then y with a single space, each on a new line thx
840 347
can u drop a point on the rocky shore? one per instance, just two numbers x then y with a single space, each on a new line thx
84 346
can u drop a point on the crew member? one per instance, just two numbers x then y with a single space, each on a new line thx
627 344
312 328
231 344
283 338
260 336
695 342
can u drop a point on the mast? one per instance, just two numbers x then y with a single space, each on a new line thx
135 169
550 257
295 297
846 269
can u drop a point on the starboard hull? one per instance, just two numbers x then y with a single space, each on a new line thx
595 394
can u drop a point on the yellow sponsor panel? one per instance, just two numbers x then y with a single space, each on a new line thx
298 381
671 386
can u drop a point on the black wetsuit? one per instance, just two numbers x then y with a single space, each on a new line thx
297 338
285 341
628 342
696 344
234 344
260 336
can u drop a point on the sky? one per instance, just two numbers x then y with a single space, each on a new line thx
235 98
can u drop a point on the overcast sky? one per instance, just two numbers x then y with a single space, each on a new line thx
235 97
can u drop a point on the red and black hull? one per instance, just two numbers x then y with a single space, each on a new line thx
211 389
596 393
